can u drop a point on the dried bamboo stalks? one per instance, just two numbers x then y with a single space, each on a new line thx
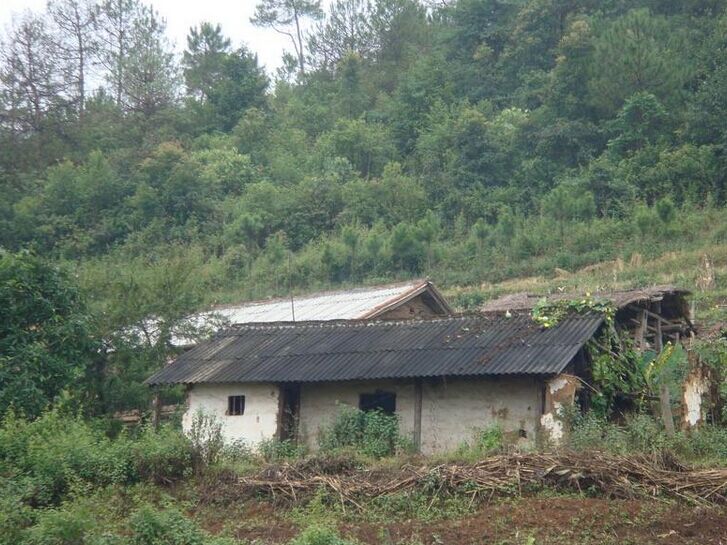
613 476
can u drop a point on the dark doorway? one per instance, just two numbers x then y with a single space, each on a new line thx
290 407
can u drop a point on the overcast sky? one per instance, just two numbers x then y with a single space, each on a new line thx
233 15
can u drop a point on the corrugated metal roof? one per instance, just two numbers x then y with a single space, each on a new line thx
470 345
350 304
353 304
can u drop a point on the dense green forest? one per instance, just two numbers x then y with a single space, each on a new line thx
469 141
458 138
493 145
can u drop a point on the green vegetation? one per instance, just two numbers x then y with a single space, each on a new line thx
63 480
370 433
46 339
642 434
494 146
471 141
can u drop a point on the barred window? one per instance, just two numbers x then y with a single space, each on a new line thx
235 405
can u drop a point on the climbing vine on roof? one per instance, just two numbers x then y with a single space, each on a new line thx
549 313
614 367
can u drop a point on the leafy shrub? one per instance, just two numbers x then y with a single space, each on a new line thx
273 450
486 441
592 431
168 527
163 455
61 527
206 441
709 442
644 434
14 515
56 452
319 535
371 433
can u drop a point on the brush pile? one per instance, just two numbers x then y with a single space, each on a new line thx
507 474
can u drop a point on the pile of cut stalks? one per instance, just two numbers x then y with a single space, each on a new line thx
503 475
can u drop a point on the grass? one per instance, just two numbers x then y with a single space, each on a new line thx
683 268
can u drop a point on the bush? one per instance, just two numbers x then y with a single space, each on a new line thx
273 450
169 527
486 441
371 433
163 455
319 535
14 515
61 527
56 452
709 443
644 434
206 441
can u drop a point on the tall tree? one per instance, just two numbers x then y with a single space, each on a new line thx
346 29
286 17
223 83
75 42
45 333
637 52
204 58
150 79
114 25
29 76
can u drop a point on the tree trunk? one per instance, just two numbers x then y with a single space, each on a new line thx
301 58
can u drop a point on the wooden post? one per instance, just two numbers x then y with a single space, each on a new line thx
666 414
658 335
156 409
641 331
418 414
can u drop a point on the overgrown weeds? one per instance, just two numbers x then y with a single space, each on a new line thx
643 434
373 434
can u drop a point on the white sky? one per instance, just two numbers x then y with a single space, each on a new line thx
233 15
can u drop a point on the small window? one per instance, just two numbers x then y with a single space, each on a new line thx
235 405
378 401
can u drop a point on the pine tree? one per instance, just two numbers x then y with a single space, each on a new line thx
75 42
204 58
286 17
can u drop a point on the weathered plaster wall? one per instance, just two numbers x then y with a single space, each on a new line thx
261 410
452 411
694 390
560 391
320 402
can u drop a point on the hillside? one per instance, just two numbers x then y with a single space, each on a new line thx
470 141
492 146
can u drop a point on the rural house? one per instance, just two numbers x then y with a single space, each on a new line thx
444 377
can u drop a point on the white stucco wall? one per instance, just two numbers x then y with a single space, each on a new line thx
261 410
320 402
452 410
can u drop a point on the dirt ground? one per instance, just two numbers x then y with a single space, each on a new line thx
524 521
